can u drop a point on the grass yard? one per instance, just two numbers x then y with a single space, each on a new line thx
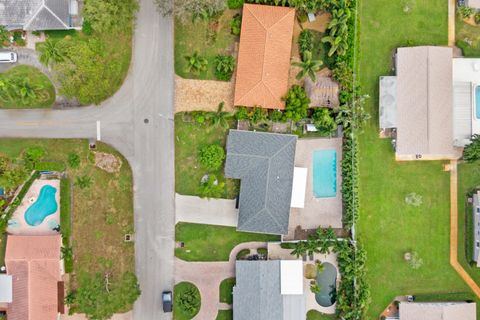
189 138
212 243
225 315
315 315
226 290
466 34
25 87
209 38
101 213
181 291
388 227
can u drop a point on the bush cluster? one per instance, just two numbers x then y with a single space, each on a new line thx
212 156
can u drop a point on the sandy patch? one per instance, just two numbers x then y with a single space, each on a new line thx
320 24
107 162
191 95
17 223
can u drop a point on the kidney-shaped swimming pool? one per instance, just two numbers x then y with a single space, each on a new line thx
45 205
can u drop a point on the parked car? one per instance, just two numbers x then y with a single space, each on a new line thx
167 301
8 57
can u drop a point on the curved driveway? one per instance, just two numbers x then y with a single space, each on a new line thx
147 93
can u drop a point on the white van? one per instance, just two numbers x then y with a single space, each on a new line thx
8 57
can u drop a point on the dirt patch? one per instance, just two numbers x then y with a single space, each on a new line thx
107 162
191 95
320 24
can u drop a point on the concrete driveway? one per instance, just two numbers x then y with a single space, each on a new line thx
192 209
147 93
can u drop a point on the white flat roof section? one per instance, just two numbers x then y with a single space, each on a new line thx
291 277
466 70
299 187
5 288
462 113
388 102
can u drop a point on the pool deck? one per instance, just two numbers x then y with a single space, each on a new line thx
317 212
22 228
275 252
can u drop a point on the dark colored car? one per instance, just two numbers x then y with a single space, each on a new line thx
167 301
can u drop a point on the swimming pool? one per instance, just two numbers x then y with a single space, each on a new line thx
45 205
325 173
477 102
327 281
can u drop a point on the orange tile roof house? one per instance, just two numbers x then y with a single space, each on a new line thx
34 263
264 56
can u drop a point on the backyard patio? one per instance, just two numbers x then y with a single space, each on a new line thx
317 211
37 201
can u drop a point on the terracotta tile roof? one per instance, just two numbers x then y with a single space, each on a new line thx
264 56
34 263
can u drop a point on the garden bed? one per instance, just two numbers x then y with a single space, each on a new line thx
208 38
27 87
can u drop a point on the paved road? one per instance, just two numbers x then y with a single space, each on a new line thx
147 93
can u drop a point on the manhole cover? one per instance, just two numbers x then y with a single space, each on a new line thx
146 121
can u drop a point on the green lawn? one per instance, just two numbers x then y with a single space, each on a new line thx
465 32
315 315
212 243
28 88
225 315
226 290
189 138
388 227
101 213
209 38
180 290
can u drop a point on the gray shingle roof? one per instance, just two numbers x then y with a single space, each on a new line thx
256 295
35 14
438 311
264 162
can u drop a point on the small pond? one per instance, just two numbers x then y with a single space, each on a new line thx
327 281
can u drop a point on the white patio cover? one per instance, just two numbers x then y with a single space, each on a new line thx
291 277
299 187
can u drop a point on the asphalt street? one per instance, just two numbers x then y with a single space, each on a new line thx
138 121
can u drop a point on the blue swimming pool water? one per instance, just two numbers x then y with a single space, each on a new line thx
327 281
325 173
477 102
43 207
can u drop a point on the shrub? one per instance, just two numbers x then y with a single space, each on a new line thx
465 12
236 24
263 251
4 36
257 114
17 38
212 188
32 155
305 42
276 115
241 113
212 156
189 300
196 63
87 28
472 151
235 4
324 121
477 17
243 253
296 103
83 182
310 271
224 66
73 160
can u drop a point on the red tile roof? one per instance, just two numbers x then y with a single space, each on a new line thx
264 56
34 263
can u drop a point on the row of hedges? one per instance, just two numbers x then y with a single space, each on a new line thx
65 223
50 166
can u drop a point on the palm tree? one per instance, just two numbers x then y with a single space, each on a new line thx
338 44
196 63
220 117
51 51
26 91
309 66
300 249
339 23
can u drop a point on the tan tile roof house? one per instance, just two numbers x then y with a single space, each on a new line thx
437 311
423 104
34 263
264 56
